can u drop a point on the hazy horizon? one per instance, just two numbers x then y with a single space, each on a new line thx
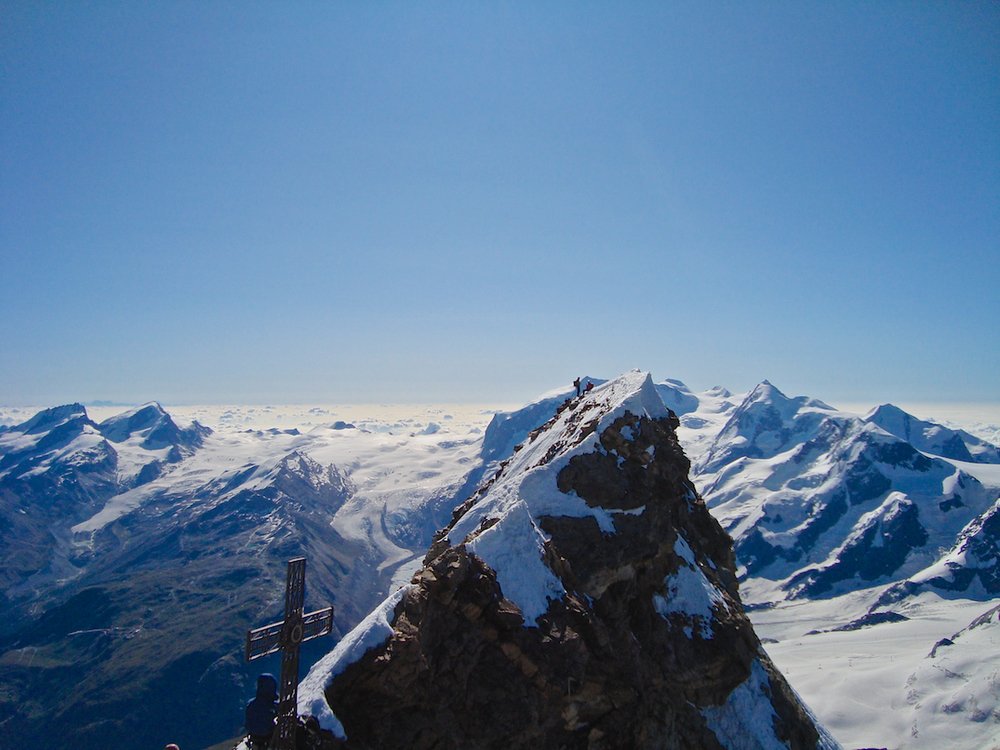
980 418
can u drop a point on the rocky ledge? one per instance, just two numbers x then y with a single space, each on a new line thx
584 597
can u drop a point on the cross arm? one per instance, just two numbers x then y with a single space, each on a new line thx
271 638
264 641
316 624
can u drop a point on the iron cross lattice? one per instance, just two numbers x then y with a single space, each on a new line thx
286 636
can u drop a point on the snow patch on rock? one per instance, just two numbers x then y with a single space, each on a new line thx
373 631
689 593
514 548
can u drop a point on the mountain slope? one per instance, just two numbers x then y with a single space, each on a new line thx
970 569
953 695
582 597
162 593
821 502
55 469
129 590
930 437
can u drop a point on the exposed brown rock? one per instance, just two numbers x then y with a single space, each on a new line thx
602 668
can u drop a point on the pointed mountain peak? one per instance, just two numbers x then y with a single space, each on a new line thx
154 427
574 429
768 394
886 409
893 420
579 594
151 408
765 390
146 418
296 463
49 419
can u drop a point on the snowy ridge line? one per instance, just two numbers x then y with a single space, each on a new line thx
591 517
526 489
373 631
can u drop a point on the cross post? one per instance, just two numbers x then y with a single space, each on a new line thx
286 636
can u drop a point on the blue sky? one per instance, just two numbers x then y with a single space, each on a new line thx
397 202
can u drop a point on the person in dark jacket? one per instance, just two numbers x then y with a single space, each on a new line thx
261 711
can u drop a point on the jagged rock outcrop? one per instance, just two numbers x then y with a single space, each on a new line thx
583 597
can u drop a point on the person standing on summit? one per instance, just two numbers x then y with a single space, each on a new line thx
261 712
576 384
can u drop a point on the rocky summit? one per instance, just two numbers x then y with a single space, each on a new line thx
582 597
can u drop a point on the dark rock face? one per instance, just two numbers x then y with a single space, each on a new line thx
971 568
647 648
878 551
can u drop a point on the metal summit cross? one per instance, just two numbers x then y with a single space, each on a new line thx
286 636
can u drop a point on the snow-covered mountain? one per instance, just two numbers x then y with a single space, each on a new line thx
821 502
59 467
583 596
150 428
58 449
971 568
930 437
858 552
137 547
136 554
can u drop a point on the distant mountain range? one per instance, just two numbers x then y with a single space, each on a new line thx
821 502
134 561
136 551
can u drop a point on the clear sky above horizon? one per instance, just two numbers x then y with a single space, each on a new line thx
399 202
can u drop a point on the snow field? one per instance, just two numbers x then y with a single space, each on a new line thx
856 681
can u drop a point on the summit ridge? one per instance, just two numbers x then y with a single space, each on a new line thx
584 594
